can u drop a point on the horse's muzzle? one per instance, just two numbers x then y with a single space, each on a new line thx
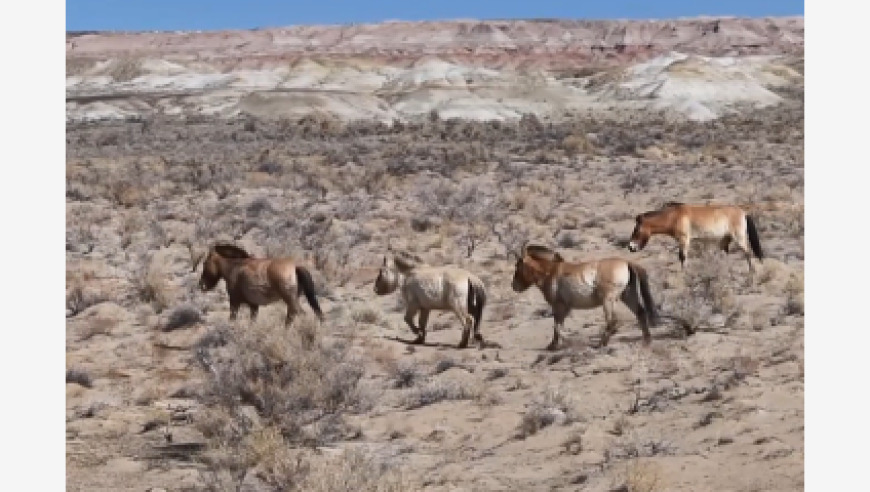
632 247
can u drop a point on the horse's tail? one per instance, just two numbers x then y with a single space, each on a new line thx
476 302
754 241
638 279
306 286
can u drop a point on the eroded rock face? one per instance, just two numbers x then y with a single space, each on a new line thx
490 70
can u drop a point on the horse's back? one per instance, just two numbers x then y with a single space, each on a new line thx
714 221
583 285
435 287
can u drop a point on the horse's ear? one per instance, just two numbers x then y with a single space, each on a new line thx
558 257
638 218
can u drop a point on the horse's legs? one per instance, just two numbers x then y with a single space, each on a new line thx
725 243
477 336
629 298
744 245
467 324
422 322
254 309
410 312
291 313
609 321
293 307
458 308
234 309
684 241
560 313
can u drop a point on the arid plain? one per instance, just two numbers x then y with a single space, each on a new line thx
456 141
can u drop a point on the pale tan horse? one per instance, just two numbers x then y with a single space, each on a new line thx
425 288
723 224
257 281
586 285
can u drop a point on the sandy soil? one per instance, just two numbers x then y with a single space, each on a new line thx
163 393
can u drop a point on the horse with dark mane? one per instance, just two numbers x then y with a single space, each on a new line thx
257 281
425 288
723 224
586 285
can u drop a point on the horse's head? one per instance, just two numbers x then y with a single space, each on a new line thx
523 276
211 271
388 278
640 235
211 265
532 261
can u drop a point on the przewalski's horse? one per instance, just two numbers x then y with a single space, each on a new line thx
586 285
720 223
425 288
257 281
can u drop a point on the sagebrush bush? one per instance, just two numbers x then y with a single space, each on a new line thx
182 317
551 407
291 377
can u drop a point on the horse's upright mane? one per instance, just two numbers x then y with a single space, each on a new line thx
659 210
406 262
543 253
231 251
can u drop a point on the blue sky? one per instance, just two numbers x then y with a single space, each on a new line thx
146 15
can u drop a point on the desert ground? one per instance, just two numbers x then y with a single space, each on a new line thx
332 144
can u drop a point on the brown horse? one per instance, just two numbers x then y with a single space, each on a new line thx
720 223
425 288
257 281
586 285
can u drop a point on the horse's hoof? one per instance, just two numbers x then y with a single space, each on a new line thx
553 347
462 346
419 341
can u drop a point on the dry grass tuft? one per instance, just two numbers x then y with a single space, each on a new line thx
290 378
152 285
182 317
553 407
642 476
78 298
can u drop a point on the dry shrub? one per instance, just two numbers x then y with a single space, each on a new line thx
354 470
291 377
642 476
284 468
182 317
127 194
578 144
151 284
794 290
443 390
403 373
269 388
707 292
552 407
125 69
573 444
79 377
78 298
